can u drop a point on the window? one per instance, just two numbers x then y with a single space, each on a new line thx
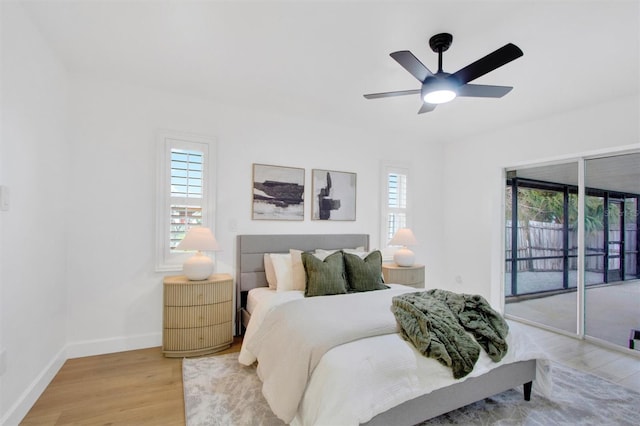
185 194
395 206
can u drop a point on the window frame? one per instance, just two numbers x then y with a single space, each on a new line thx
165 260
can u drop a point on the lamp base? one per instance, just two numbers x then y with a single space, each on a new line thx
404 257
198 267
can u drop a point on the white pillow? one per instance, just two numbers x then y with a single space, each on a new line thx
299 275
270 272
358 252
283 270
322 254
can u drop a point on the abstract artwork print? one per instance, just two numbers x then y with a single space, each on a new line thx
334 195
278 193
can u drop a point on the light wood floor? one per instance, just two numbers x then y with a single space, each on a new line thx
139 387
143 388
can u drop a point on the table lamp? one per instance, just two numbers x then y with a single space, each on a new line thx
199 266
403 237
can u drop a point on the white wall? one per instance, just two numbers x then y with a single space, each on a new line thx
474 185
114 293
33 164
78 155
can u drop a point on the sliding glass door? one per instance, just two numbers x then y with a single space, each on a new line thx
541 250
542 283
612 295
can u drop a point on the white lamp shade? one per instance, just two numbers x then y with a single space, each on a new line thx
403 237
199 238
198 266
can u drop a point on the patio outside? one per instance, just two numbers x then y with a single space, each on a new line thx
611 310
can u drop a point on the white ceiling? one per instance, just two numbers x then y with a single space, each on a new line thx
619 173
317 59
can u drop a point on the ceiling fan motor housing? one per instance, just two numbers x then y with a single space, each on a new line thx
439 82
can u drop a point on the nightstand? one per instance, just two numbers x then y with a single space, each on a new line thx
197 315
412 276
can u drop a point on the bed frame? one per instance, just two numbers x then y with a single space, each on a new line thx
250 274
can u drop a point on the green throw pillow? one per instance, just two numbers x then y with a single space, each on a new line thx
364 274
324 277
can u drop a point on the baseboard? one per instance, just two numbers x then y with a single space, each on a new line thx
19 410
111 345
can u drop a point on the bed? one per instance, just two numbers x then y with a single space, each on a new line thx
364 381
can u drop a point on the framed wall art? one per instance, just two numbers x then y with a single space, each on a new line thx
278 193
334 195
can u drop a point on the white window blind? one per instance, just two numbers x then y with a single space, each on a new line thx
185 193
395 203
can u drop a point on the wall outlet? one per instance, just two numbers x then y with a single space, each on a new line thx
458 279
3 361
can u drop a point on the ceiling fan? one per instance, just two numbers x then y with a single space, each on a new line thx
443 87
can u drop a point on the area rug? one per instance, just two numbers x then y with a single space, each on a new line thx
220 391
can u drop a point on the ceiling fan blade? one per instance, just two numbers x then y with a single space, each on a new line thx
426 108
412 64
391 94
483 91
496 59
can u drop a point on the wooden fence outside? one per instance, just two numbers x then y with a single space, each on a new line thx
544 239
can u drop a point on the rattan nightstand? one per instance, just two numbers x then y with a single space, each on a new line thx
197 315
408 275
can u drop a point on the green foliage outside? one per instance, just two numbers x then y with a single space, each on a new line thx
547 206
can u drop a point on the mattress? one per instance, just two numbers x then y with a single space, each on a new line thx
257 296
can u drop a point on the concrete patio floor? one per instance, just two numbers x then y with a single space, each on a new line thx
611 311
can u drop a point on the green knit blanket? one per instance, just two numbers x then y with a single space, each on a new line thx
437 321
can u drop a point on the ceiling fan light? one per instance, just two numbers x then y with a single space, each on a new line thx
439 96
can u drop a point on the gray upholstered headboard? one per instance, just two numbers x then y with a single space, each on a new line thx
251 250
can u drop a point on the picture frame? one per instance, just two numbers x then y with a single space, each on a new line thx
333 195
278 192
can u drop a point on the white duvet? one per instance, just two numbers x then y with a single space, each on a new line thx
355 381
